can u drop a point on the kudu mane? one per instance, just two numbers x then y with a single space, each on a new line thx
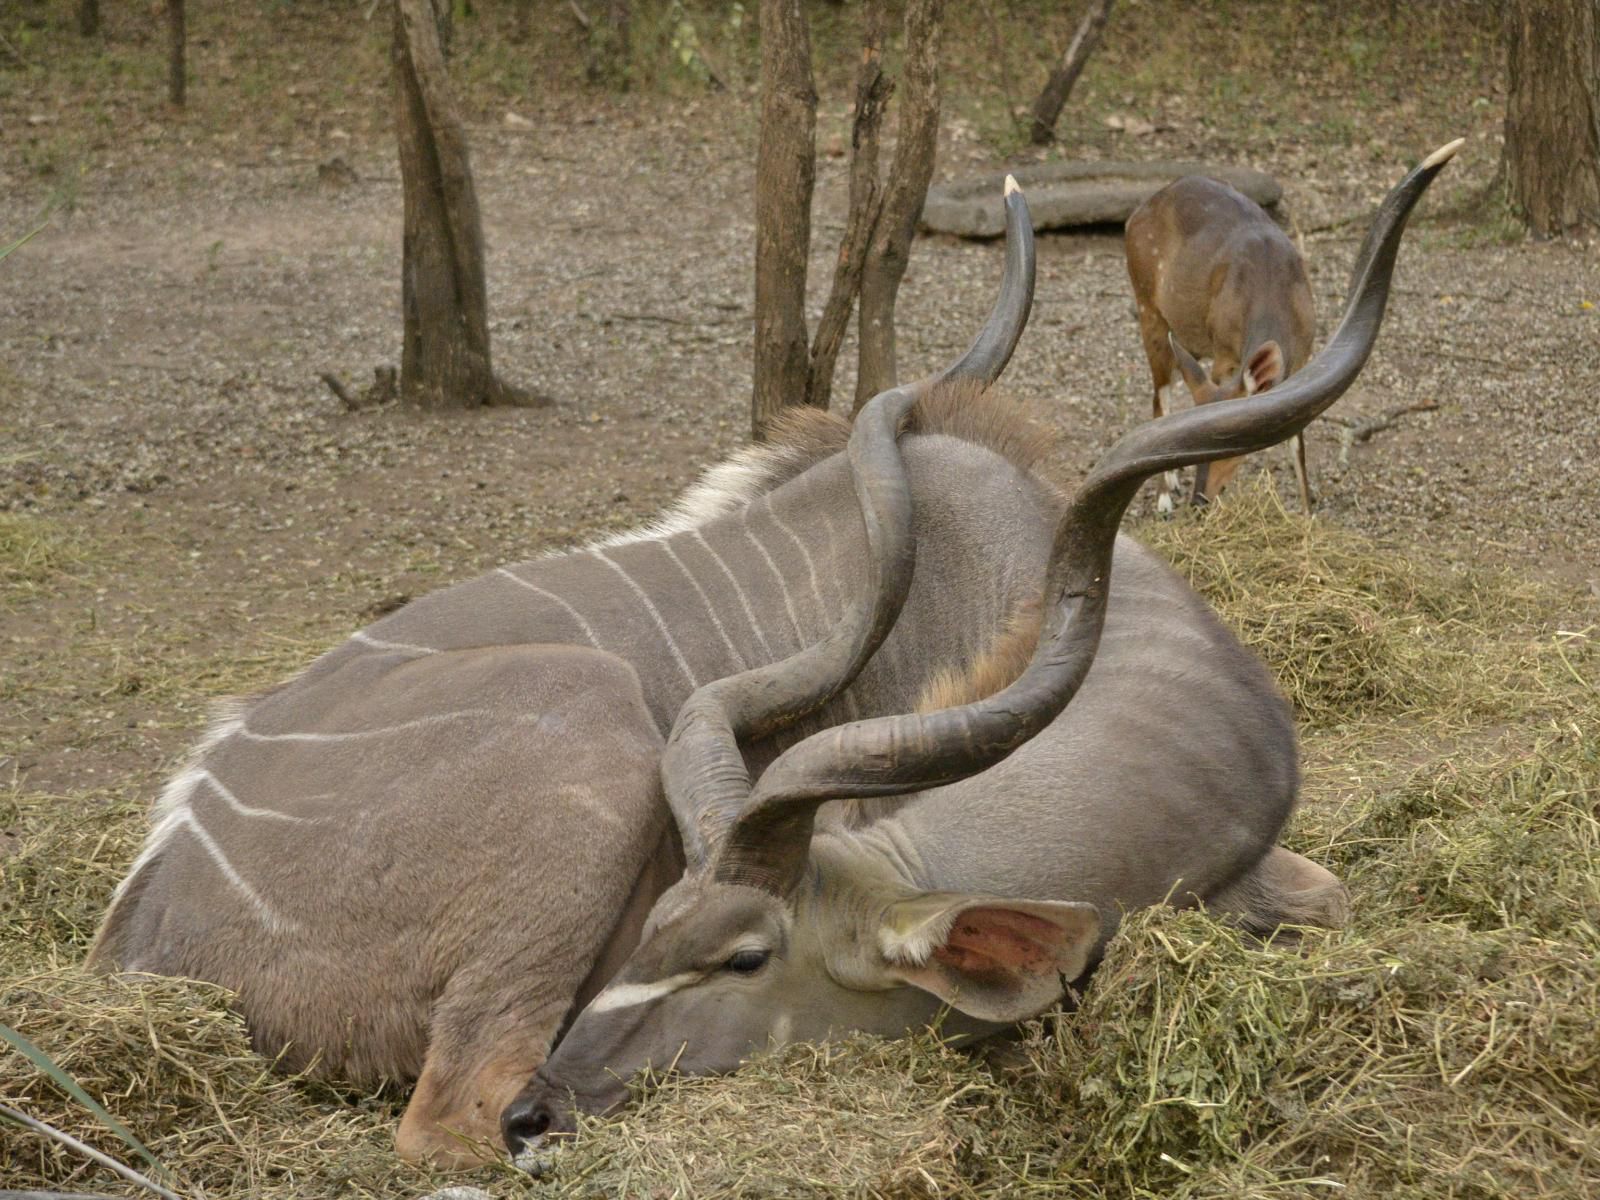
984 417
801 437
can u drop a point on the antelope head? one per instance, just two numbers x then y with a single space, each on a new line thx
781 931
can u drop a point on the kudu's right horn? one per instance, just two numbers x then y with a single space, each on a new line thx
768 844
702 769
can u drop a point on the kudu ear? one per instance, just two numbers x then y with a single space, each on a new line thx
1264 369
997 960
1193 376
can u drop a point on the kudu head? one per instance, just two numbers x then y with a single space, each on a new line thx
783 932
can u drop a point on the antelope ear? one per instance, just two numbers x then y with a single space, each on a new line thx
997 960
1264 369
1193 376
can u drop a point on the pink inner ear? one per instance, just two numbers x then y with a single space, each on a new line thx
1001 939
1266 367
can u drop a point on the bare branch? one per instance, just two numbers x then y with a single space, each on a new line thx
1047 108
873 89
916 144
177 69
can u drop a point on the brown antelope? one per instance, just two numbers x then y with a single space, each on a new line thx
416 858
1214 275
815 902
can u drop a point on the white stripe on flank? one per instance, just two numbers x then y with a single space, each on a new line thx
706 603
631 995
744 601
263 910
572 612
655 615
783 586
201 775
811 567
171 811
414 723
366 639
179 816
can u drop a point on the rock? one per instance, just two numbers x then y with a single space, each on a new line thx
1063 194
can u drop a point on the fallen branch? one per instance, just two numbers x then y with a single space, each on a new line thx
383 390
1363 428
338 389
1354 217
657 318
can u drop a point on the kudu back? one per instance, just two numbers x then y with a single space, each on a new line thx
1213 276
418 857
975 855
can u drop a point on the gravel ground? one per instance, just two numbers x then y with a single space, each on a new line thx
159 356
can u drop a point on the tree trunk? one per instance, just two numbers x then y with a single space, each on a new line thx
785 171
176 38
608 43
1047 108
444 361
872 93
88 17
1551 160
916 145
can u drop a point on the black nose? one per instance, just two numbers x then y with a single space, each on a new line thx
524 1120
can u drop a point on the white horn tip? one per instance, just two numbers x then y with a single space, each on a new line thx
1013 186
1444 153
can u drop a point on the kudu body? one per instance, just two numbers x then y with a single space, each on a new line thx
1214 276
416 858
1140 753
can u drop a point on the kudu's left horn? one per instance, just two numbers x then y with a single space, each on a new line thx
767 845
702 769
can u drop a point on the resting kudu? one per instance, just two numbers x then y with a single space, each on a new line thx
815 902
1213 274
418 857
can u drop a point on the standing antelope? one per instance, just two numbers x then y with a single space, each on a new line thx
1213 274
1036 822
418 857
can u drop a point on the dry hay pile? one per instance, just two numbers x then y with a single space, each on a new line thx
170 1062
1353 630
1446 1045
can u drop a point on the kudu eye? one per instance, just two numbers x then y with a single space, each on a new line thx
748 962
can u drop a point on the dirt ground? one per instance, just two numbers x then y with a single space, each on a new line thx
160 347
211 516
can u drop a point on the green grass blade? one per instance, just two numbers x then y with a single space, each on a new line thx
63 197
48 1065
